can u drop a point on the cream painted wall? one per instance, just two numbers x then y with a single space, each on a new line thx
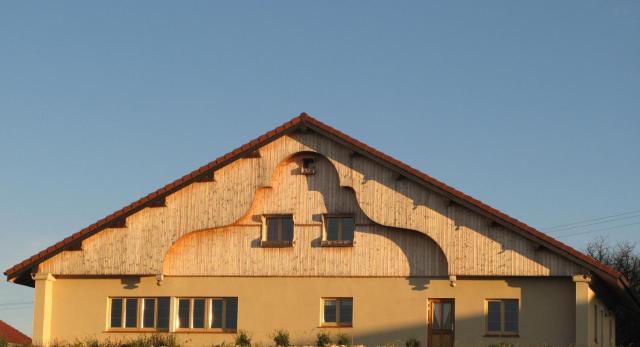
603 324
385 309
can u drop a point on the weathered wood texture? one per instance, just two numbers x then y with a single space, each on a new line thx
236 251
471 244
379 251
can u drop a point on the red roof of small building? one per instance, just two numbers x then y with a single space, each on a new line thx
13 335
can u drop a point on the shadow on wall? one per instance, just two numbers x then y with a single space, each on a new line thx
437 261
423 256
442 206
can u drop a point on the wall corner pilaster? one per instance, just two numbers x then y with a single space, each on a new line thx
43 308
582 309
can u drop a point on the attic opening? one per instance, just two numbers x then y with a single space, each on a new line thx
308 166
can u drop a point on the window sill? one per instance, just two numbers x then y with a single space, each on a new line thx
501 335
334 326
276 244
136 330
204 331
336 243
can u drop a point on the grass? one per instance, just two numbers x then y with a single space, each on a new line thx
155 340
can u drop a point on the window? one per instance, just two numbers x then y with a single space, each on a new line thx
116 313
338 230
308 166
217 314
502 317
337 312
139 313
225 313
611 330
595 323
131 313
277 231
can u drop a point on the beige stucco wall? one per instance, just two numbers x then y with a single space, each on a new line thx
385 309
605 323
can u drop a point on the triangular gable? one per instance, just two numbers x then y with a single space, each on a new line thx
20 272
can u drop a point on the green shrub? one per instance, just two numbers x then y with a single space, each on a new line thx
3 343
412 342
323 340
501 344
343 340
243 339
281 338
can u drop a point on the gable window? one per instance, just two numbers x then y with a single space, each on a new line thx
308 166
277 231
338 230
139 313
209 314
337 312
502 317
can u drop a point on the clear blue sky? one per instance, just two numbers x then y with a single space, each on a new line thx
532 107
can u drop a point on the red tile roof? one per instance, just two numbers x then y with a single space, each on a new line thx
310 122
12 335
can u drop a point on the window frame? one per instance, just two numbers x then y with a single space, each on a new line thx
208 315
265 242
340 242
139 316
502 332
337 323
595 323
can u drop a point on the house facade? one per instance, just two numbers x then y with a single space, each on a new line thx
309 230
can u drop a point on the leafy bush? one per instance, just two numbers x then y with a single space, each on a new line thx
3 343
243 339
323 340
281 338
155 340
343 340
412 342
501 344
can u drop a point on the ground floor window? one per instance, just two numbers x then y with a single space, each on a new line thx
337 312
139 313
502 316
216 314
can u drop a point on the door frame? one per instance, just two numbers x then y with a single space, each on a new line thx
430 302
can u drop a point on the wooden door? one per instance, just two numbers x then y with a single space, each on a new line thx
441 322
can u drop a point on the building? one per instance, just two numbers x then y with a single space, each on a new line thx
308 230
13 336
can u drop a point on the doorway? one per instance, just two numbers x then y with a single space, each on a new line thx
441 322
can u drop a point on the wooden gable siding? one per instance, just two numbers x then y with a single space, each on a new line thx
472 246
378 250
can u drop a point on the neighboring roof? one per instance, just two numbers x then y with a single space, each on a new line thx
304 120
13 335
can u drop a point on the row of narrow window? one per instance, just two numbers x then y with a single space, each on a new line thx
336 229
214 314
221 314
